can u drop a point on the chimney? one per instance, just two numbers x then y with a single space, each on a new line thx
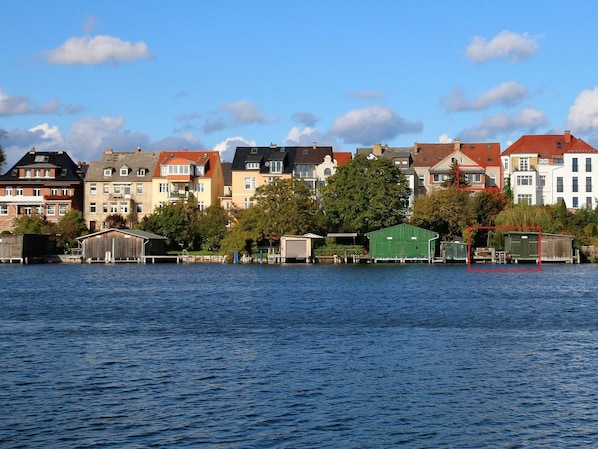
108 151
567 136
32 150
314 145
416 148
457 146
377 150
273 145
138 150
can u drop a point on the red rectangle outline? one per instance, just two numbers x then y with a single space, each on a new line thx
505 270
478 189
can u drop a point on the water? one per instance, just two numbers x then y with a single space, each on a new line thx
223 356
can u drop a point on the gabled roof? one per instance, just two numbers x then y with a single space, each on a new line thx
312 155
67 169
484 154
342 157
134 232
549 146
135 160
195 157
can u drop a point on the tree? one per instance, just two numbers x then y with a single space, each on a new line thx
2 155
70 226
285 206
177 222
32 224
447 212
212 227
454 174
116 221
365 195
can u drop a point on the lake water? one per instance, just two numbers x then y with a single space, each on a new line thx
303 356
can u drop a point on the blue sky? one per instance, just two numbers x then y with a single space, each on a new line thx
86 76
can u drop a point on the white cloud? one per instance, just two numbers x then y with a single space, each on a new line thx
243 112
97 50
529 119
506 94
365 95
302 137
372 124
227 147
21 105
444 138
305 118
506 45
583 115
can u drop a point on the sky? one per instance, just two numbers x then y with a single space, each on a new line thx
83 76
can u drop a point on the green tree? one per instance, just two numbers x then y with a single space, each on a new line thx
487 204
70 226
454 174
446 211
2 155
32 224
365 195
177 222
212 227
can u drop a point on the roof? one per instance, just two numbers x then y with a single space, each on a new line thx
262 155
312 155
399 226
226 173
342 157
134 160
204 158
483 154
549 146
69 170
134 232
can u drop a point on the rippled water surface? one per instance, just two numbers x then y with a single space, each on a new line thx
236 356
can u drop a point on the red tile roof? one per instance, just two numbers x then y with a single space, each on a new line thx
549 145
342 157
483 154
197 157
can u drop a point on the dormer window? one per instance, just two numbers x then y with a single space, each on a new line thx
141 171
108 172
252 166
200 170
124 171
63 172
275 166
254 151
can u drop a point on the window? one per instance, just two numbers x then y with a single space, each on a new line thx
574 164
252 166
588 164
141 171
275 166
588 183
47 173
37 173
124 208
163 187
559 184
92 208
542 180
575 202
588 202
139 189
163 170
327 172
27 210
51 209
19 191
506 164
247 203
113 208
492 177
37 191
62 209
27 173
105 208
139 208
65 191
476 178
107 172
124 171
200 205
92 188
3 209
524 164
439 178
178 169
525 180
106 188
117 189
249 183
53 190
127 188
199 187
9 191
524 198
574 186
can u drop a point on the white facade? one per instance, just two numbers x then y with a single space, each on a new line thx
579 179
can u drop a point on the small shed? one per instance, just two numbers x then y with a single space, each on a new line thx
454 251
402 243
557 248
25 248
522 246
297 248
121 245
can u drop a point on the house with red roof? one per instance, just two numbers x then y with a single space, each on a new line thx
550 168
479 161
178 175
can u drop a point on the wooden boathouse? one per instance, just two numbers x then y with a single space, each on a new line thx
521 247
122 245
26 248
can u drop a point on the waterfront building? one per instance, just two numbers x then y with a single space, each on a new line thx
47 183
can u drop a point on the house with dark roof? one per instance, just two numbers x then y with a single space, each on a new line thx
550 168
119 184
48 183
